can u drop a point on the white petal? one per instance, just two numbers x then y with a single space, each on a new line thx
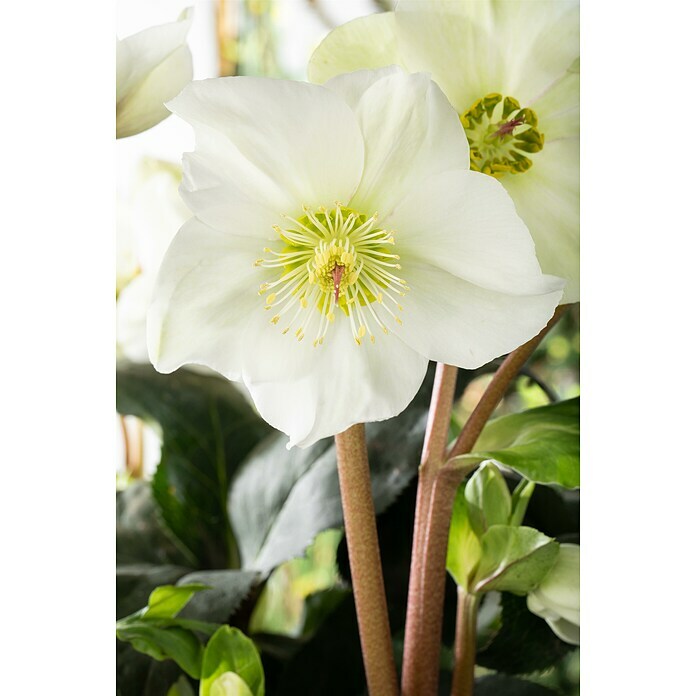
466 223
460 55
351 86
517 48
365 42
310 393
411 133
205 292
277 143
558 108
547 197
152 67
565 630
455 322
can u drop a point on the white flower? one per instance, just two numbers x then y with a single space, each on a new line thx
557 599
148 219
152 67
511 69
339 242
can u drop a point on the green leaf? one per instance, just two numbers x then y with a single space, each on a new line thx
229 684
513 559
134 584
226 591
229 650
208 428
167 601
488 498
301 591
181 688
178 644
140 536
542 444
464 547
524 643
501 685
281 499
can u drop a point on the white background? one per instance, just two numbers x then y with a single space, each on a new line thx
57 347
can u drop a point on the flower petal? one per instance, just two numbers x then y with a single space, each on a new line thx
204 295
276 143
558 108
310 393
461 56
473 47
465 223
411 133
458 323
547 198
152 67
365 42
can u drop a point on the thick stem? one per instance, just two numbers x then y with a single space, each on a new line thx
465 644
434 448
429 556
365 563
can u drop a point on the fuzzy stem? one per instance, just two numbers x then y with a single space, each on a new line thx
465 644
434 448
440 481
365 563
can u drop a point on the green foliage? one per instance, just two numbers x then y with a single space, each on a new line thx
513 559
488 499
524 643
501 685
464 547
229 650
281 499
207 429
300 592
157 632
542 444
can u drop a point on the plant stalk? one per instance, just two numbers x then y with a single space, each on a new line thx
440 481
365 563
465 644
434 448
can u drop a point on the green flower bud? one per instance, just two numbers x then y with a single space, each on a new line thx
488 498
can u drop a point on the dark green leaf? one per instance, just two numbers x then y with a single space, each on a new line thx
172 642
542 444
513 559
139 675
208 427
524 643
229 650
228 588
501 685
281 499
140 536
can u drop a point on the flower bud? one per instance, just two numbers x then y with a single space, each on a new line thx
488 498
557 598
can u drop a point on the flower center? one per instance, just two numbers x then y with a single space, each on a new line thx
500 135
329 259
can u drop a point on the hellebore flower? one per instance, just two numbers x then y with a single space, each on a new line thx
339 242
557 599
511 70
152 67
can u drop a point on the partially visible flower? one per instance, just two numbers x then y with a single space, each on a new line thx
147 221
557 599
152 67
511 70
344 215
